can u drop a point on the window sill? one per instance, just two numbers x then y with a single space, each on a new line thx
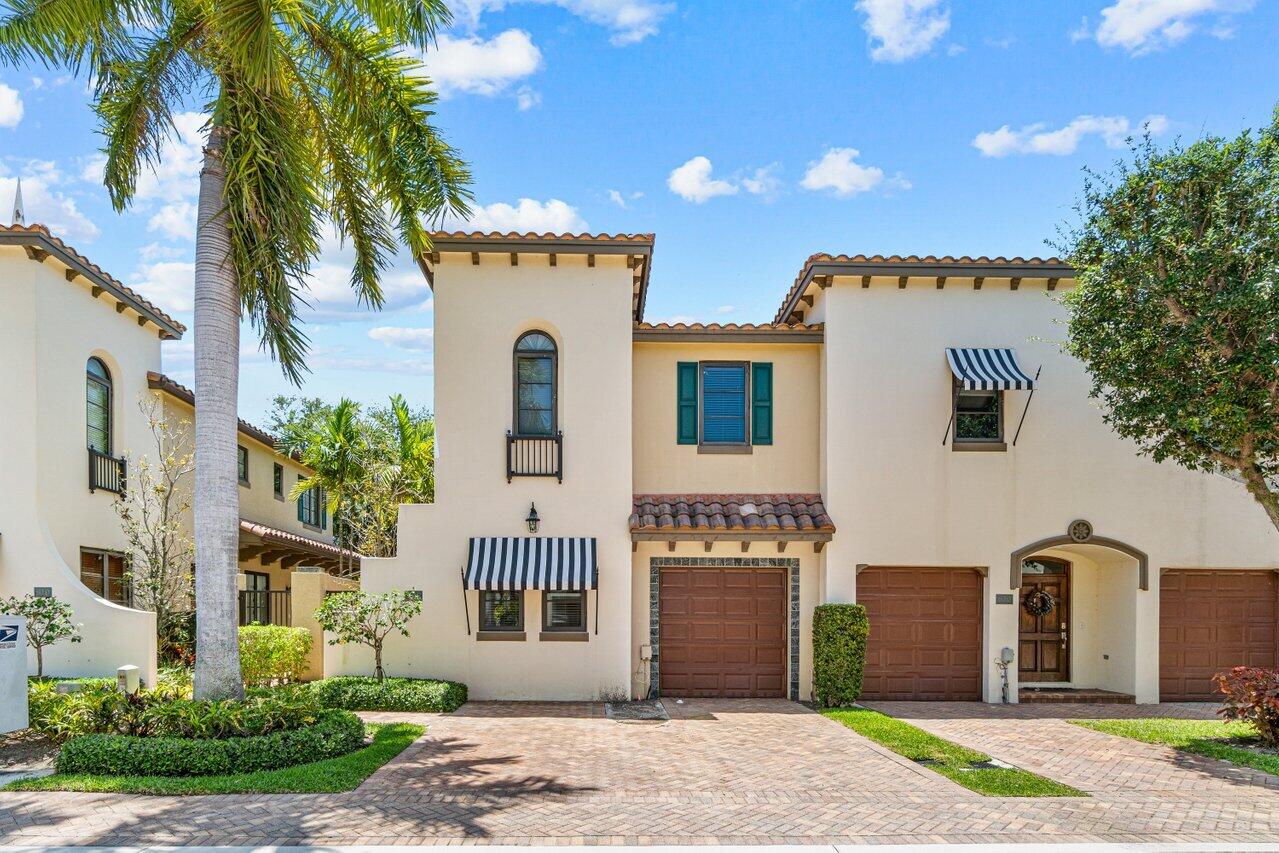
979 446
312 527
563 636
501 636
280 498
244 483
725 448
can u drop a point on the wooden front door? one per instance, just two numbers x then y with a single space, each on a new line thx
1044 614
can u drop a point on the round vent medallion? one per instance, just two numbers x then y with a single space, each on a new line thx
1079 531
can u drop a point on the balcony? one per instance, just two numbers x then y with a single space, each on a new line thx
266 607
106 472
535 456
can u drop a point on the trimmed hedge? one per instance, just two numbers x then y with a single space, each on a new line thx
839 653
363 693
273 654
333 734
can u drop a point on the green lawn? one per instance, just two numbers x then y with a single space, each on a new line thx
1211 738
950 760
322 777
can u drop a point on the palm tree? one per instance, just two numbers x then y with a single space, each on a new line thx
318 114
337 453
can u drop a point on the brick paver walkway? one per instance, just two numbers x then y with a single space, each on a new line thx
719 771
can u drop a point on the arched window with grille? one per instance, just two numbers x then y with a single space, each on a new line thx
98 406
535 384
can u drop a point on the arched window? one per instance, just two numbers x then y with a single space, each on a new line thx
535 378
98 405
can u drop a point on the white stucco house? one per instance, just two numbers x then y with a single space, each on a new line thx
629 509
81 350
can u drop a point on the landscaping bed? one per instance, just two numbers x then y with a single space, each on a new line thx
360 693
967 767
333 775
1235 742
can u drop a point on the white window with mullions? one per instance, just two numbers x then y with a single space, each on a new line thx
536 378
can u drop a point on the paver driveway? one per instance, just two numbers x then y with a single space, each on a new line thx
721 771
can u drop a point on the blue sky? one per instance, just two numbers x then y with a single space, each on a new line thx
746 135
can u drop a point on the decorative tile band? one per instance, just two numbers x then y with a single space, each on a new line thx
655 565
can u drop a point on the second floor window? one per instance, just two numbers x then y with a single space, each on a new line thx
242 464
311 510
535 384
724 406
723 403
98 405
277 480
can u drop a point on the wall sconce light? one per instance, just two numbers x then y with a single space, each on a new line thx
533 521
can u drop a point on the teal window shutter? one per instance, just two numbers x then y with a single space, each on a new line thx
686 402
301 512
762 402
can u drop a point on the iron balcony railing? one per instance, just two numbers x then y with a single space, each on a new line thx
535 456
266 607
107 472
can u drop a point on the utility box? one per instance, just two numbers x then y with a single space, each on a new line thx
13 673
127 679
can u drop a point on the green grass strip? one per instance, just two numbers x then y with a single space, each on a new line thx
1209 738
951 760
323 777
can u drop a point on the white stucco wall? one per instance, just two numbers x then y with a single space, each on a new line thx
901 497
479 313
48 331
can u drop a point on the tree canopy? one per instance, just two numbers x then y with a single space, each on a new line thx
1176 312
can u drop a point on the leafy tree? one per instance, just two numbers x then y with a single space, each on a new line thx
1176 313
398 443
152 517
337 455
318 115
48 621
367 618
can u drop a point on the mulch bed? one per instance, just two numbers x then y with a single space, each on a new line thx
26 750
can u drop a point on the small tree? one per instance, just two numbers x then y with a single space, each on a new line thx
1176 313
162 555
48 621
367 618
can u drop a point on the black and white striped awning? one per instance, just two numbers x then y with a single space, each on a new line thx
988 370
528 562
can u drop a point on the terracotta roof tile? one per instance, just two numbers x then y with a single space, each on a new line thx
948 260
691 513
43 231
730 327
284 537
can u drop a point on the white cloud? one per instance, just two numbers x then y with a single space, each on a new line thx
478 67
1037 139
526 98
693 182
526 215
726 309
623 201
365 365
836 171
175 220
676 319
630 21
763 181
403 337
10 106
159 251
903 29
44 203
169 284
1141 26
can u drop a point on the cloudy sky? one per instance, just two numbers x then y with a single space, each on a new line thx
747 135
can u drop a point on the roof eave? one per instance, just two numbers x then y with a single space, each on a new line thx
170 329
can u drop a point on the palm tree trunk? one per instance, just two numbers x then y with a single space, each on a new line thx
217 495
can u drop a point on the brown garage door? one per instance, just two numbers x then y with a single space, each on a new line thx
722 632
1209 621
925 633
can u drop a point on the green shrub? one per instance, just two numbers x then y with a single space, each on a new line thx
162 713
361 693
273 654
839 652
332 734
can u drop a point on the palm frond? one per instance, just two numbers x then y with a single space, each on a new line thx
414 22
82 35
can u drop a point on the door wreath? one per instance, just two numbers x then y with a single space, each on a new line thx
1038 603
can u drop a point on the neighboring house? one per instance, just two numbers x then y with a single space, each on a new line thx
81 350
627 509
